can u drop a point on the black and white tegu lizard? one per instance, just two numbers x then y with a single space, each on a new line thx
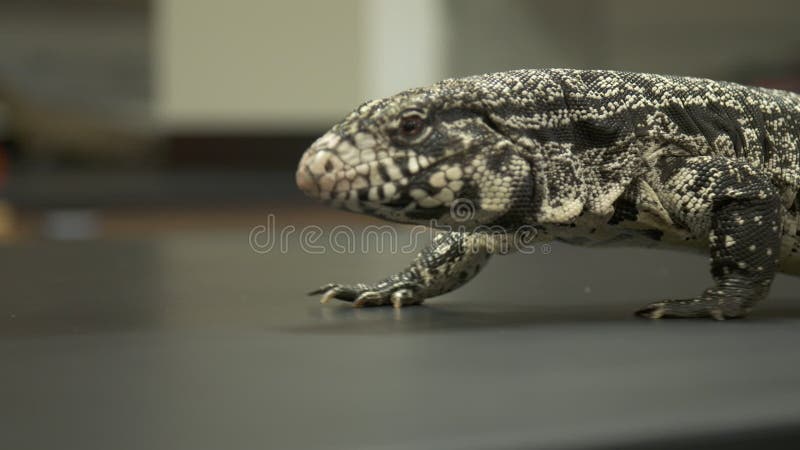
589 157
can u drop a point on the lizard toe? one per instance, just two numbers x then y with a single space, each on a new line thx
651 311
713 308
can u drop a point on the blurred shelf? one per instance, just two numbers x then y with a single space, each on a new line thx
46 189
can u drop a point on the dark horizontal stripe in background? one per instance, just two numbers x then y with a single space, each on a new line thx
191 169
777 437
237 150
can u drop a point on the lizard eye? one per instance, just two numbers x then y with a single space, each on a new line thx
412 124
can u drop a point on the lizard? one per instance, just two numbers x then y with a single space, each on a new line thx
587 157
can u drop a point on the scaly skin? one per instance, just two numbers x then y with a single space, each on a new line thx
586 157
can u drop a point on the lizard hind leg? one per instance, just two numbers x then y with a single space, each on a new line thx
744 234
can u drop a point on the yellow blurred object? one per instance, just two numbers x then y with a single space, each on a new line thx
6 220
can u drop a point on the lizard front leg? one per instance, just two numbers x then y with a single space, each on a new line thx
448 262
740 209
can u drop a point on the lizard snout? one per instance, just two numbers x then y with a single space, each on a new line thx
317 172
305 181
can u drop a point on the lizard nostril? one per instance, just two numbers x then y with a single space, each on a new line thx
323 162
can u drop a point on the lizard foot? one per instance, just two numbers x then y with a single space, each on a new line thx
365 295
716 308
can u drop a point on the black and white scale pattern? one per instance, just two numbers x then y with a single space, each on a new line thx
589 157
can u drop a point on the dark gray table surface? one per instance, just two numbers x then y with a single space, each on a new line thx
198 342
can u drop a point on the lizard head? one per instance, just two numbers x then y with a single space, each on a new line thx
418 156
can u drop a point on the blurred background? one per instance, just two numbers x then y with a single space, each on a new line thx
129 116
142 143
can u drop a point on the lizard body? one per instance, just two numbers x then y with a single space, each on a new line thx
588 157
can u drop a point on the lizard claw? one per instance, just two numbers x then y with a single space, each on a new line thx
652 311
693 307
363 295
403 297
327 296
322 289
335 290
368 298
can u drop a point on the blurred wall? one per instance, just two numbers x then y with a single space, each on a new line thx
287 65
242 63
297 66
725 39
402 45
